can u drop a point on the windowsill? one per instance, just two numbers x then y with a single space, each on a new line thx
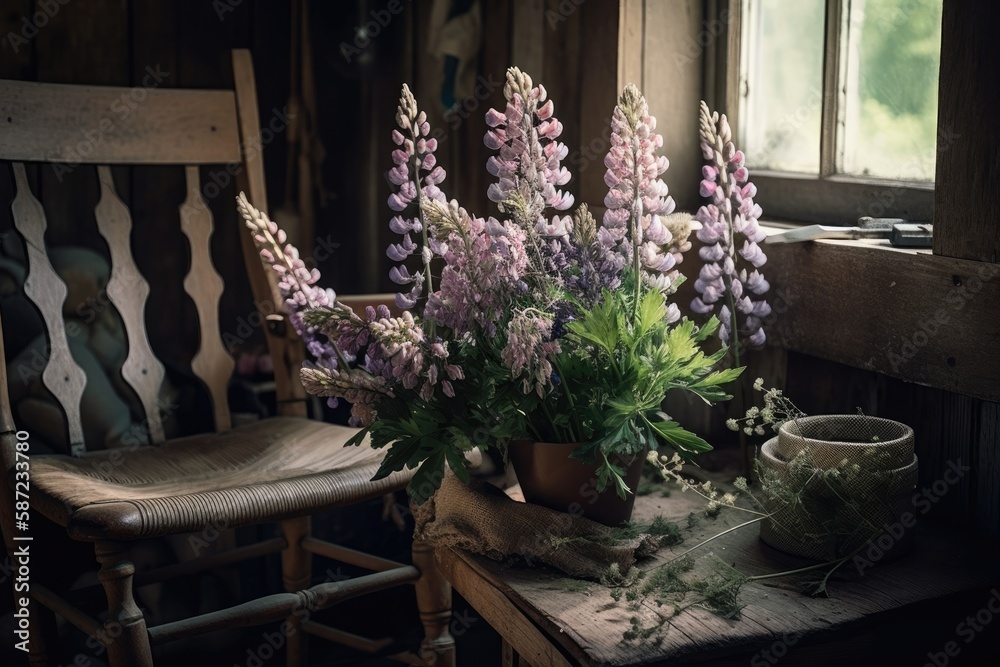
841 200
904 312
776 226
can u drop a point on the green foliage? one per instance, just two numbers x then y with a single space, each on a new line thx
625 366
677 585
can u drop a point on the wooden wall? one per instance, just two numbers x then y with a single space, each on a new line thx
118 42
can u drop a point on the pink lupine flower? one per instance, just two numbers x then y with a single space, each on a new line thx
725 287
484 263
637 199
529 167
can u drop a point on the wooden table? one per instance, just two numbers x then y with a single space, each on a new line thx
900 611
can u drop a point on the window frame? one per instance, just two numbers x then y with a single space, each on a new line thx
829 197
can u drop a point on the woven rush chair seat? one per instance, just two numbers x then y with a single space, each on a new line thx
280 467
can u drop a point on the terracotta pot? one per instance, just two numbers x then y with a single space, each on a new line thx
549 477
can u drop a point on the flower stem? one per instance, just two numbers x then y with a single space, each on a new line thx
424 254
718 535
787 573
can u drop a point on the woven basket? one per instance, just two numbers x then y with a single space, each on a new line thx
852 475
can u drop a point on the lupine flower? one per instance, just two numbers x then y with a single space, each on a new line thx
729 280
528 349
599 267
297 283
528 166
414 156
356 386
485 262
637 200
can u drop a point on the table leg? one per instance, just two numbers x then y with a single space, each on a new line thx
512 658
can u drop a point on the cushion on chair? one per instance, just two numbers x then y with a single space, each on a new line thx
267 470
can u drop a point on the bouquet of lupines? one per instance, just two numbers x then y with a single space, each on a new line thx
543 325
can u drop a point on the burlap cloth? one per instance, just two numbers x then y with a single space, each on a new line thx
482 519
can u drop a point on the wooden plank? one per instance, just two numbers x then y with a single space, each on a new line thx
910 315
887 595
632 42
487 597
833 77
599 89
71 125
987 466
496 57
19 41
957 415
62 375
839 200
731 85
527 40
128 291
966 220
561 75
212 364
673 88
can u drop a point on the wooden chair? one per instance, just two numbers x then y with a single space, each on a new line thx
279 469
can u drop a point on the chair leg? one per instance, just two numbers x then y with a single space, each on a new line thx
44 635
296 574
125 628
434 604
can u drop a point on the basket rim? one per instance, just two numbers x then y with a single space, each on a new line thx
907 432
766 453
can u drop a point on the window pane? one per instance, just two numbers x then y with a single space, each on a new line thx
783 74
890 110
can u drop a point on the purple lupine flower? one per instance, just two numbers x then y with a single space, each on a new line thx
637 200
598 267
297 283
485 261
414 156
729 280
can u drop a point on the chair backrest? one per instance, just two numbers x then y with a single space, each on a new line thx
42 123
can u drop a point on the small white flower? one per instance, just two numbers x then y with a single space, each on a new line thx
759 430
732 425
758 384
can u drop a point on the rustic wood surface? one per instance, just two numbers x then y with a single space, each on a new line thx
128 291
527 38
212 363
62 375
672 81
169 127
968 154
907 314
586 626
829 158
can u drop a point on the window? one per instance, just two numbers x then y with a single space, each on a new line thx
837 105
